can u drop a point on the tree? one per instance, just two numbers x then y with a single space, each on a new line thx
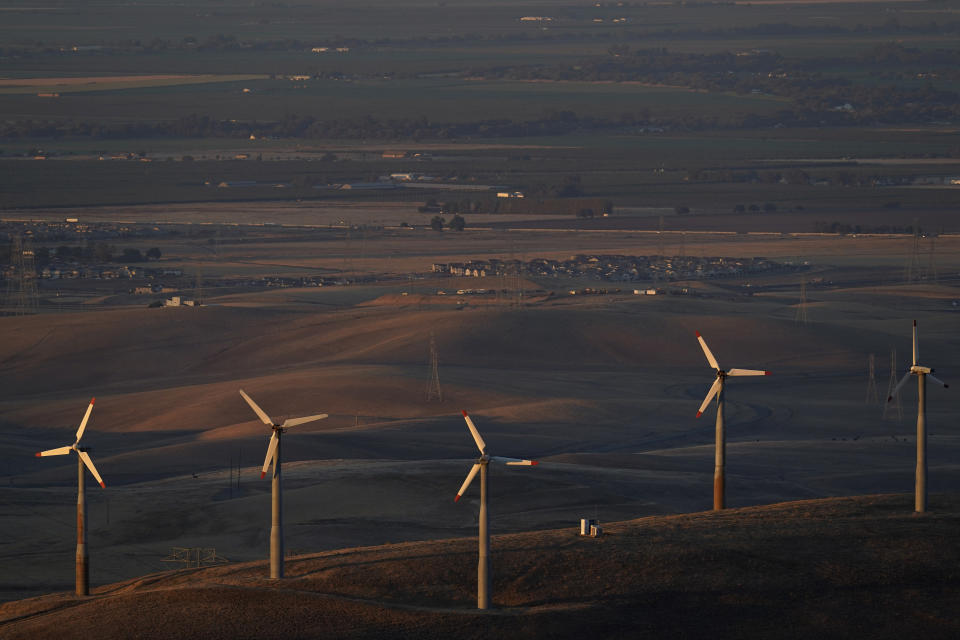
102 252
436 223
131 255
569 188
41 256
681 210
457 223
153 253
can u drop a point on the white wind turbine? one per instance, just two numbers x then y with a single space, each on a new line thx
922 373
720 456
483 566
273 455
83 458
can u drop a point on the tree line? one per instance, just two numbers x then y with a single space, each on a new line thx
96 252
627 33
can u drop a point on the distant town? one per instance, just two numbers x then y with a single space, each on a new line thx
617 268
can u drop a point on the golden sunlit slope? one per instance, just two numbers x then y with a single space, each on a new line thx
839 568
145 348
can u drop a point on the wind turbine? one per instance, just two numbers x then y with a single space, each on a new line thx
720 455
922 373
483 566
83 458
273 455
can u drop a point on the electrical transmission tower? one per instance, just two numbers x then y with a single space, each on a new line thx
433 382
518 288
894 403
660 237
873 394
801 316
198 291
932 262
195 556
912 272
22 295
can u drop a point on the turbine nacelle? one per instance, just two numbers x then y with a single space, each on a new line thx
916 369
278 429
81 451
722 374
485 459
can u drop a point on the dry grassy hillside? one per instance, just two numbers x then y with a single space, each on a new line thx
840 568
603 393
135 349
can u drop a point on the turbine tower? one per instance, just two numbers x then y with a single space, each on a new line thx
83 459
720 455
483 565
273 455
922 373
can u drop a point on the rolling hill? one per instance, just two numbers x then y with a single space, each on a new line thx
831 568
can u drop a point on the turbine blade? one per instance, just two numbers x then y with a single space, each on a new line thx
707 352
466 483
87 461
747 372
271 450
292 422
515 461
916 347
713 391
938 381
86 416
476 434
896 390
253 405
62 451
